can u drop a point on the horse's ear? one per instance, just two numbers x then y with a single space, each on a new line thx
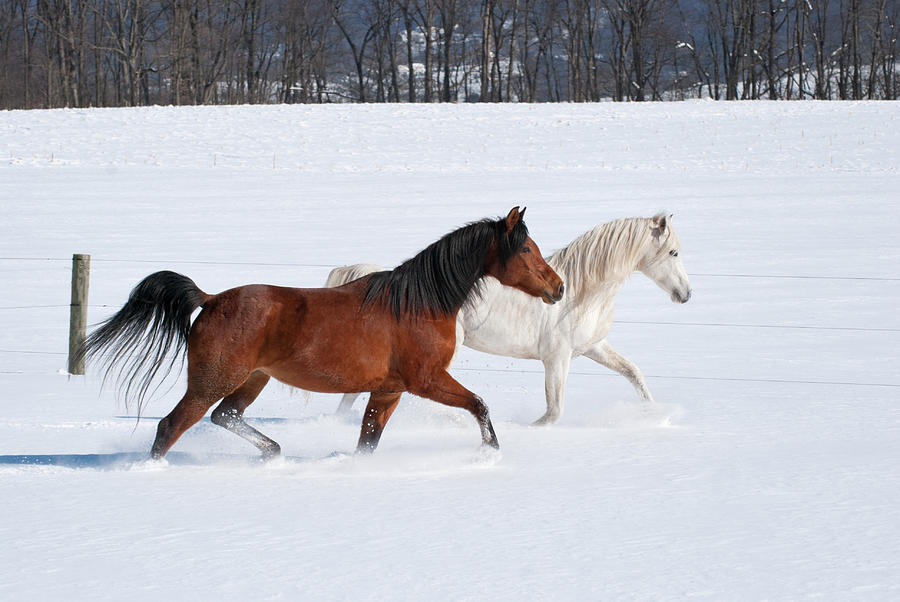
513 218
659 225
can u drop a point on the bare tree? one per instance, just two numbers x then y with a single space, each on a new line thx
303 37
819 30
9 62
63 23
357 35
425 18
889 47
449 18
849 58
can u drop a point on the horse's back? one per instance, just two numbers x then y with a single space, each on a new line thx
317 339
260 305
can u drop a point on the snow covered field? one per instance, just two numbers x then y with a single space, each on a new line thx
770 468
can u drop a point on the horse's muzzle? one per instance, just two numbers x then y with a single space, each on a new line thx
549 298
679 297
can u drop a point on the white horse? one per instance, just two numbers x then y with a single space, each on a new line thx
594 267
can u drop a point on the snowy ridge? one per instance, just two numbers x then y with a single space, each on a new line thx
462 139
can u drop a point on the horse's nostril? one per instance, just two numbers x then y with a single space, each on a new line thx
562 289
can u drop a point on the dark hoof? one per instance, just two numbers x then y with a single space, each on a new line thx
365 450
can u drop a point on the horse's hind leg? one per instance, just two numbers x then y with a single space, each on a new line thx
378 412
444 389
230 414
187 413
205 387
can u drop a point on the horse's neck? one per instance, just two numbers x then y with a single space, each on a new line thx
602 295
594 301
597 264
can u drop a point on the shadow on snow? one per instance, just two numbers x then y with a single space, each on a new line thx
126 460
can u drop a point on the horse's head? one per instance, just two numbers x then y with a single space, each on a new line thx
516 261
662 262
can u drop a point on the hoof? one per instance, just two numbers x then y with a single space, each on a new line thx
545 420
487 456
365 449
271 451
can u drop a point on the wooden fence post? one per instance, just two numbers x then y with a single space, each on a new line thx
81 279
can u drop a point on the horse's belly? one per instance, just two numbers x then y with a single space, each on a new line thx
492 333
346 377
507 342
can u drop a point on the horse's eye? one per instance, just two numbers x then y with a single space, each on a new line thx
673 253
526 250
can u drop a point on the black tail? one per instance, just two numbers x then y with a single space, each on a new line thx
136 341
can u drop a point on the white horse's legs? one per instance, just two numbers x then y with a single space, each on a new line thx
604 354
347 403
556 372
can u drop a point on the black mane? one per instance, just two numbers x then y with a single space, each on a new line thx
439 279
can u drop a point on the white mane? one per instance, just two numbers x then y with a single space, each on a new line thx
349 273
608 252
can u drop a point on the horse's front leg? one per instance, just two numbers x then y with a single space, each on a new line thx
556 373
378 412
441 387
604 354
348 399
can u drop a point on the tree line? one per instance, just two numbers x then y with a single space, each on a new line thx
100 53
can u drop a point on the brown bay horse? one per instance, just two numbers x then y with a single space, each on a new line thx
386 334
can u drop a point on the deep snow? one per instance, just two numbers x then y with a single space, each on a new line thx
768 470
